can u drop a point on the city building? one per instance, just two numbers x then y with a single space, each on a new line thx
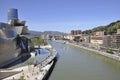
96 41
44 36
76 35
107 40
86 39
69 37
18 26
115 43
118 31
54 37
76 32
14 41
12 14
100 33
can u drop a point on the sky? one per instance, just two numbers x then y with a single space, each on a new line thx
63 15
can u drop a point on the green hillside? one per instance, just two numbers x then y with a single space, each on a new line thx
109 29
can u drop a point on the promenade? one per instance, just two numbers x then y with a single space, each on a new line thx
35 71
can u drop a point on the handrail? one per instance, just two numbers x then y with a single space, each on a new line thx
47 60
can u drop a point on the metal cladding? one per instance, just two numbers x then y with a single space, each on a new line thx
9 47
17 23
12 14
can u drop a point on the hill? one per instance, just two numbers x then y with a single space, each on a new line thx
109 29
47 32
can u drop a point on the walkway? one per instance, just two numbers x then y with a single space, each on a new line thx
33 72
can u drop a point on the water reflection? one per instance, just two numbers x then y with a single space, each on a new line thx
77 64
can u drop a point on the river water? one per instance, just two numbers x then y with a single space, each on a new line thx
77 64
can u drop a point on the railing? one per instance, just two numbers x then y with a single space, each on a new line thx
48 59
34 71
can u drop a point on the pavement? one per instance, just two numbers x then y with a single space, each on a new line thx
30 72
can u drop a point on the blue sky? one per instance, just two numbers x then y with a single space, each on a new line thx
63 15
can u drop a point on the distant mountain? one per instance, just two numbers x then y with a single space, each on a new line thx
35 32
109 29
54 32
47 32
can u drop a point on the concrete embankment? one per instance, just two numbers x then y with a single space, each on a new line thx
113 56
34 72
48 59
47 76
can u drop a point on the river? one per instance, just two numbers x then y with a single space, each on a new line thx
77 64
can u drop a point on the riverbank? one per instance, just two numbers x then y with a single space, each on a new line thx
113 56
80 64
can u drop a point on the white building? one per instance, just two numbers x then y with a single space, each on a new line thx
96 41
70 37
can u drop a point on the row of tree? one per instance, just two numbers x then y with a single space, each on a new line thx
38 41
